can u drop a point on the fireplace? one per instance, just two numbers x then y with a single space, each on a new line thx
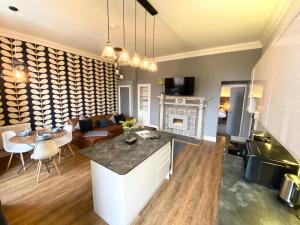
178 122
183 115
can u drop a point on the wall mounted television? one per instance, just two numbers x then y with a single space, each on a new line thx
180 86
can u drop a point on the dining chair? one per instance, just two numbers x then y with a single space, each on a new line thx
44 152
65 141
13 148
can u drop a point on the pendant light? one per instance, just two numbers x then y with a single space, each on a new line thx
108 51
18 72
145 62
153 66
135 61
124 58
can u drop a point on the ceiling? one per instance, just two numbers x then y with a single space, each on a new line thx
181 25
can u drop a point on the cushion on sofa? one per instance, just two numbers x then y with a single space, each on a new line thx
119 118
96 118
73 122
102 123
85 125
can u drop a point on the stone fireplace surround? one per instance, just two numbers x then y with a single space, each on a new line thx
183 115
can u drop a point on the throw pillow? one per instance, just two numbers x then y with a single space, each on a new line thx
102 123
86 125
119 118
112 119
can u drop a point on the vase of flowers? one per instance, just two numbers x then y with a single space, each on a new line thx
128 127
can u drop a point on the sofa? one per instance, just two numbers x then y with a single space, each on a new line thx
81 141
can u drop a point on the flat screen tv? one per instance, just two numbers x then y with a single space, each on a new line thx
179 86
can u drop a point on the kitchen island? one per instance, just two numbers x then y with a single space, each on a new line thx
126 176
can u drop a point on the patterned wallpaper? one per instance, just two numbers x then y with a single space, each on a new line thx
61 85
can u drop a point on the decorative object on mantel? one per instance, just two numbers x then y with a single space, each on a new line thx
108 51
128 127
161 83
183 115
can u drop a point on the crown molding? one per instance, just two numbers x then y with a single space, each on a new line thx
211 51
40 41
274 21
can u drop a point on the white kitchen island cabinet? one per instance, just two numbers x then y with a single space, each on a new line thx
122 189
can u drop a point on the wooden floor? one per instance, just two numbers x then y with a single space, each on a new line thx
189 197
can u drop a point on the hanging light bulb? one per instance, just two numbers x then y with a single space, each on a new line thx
108 51
145 62
18 76
124 58
135 61
153 66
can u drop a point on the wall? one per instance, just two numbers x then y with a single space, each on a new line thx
61 85
209 71
276 79
290 9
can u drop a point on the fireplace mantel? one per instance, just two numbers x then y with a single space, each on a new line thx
190 110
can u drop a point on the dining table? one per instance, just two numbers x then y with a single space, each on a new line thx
32 140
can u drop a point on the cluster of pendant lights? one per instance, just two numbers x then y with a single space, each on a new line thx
124 58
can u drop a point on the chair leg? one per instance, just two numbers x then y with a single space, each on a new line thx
22 160
38 171
71 150
56 167
10 158
59 155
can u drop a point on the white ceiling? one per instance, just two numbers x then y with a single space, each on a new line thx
183 25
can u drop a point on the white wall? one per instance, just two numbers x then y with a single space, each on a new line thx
277 77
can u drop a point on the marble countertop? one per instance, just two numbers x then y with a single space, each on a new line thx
119 157
247 203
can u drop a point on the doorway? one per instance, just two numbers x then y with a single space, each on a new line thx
144 96
125 100
231 109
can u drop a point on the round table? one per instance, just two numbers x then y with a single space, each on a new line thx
31 139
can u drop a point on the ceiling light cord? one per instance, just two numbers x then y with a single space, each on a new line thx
145 32
107 5
153 38
123 24
135 27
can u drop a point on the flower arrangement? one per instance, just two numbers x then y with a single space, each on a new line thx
128 126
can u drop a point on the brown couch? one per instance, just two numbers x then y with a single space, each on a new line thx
81 141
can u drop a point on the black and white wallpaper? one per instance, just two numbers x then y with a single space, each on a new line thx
61 85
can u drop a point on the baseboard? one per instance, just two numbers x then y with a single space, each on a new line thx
210 138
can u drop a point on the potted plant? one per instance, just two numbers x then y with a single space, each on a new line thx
128 127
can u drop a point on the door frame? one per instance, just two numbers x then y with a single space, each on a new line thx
237 84
130 98
138 98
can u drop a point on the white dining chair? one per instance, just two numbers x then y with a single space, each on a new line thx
44 152
65 141
13 148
